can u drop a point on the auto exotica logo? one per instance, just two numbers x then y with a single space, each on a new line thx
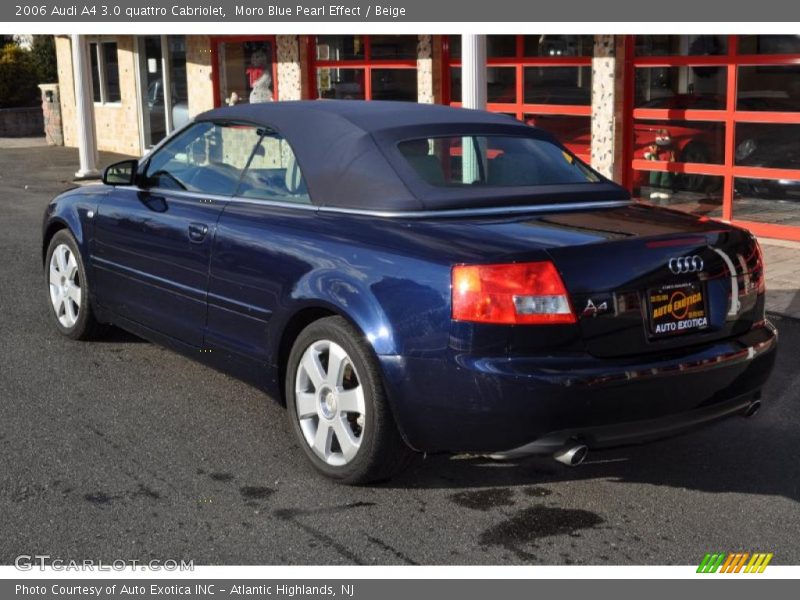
738 562
679 304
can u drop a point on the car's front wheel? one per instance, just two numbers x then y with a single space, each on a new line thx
337 405
68 289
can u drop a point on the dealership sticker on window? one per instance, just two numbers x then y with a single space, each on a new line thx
677 309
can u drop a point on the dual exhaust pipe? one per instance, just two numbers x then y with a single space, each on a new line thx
575 454
751 410
572 456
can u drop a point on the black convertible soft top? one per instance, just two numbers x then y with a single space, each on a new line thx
347 151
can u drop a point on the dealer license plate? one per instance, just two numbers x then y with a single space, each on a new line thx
677 308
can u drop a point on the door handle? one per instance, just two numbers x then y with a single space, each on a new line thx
197 232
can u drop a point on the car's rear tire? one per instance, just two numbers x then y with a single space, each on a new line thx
337 405
68 289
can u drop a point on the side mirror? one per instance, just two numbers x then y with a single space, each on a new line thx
121 173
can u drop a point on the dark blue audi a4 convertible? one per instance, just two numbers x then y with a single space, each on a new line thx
416 278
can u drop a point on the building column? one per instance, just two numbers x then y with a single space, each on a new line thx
608 71
84 103
425 93
199 76
473 94
473 71
290 79
166 70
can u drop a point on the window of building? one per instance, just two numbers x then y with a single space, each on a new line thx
246 70
543 80
508 46
105 72
681 45
162 67
365 67
713 127
769 44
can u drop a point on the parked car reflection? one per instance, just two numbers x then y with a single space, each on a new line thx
155 106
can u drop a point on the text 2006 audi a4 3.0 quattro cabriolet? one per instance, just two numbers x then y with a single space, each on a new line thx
410 277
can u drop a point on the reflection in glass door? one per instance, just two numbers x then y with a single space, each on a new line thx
162 66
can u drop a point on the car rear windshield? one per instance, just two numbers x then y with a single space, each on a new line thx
493 161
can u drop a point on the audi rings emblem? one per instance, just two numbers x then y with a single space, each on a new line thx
685 264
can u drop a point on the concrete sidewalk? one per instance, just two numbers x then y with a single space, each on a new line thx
23 142
783 276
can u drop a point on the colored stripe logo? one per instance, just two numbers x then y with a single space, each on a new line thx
737 562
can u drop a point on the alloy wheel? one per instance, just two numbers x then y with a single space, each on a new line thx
65 286
329 401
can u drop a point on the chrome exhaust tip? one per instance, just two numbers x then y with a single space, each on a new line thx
751 410
572 456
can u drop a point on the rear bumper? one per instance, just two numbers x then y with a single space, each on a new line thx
464 403
635 432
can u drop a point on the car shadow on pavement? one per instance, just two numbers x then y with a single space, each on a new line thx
115 335
740 456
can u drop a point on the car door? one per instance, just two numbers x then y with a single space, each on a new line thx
152 241
256 257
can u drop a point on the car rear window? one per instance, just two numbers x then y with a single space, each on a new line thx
493 161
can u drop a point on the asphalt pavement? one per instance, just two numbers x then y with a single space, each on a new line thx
123 450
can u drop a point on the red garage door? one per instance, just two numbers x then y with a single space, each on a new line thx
364 67
713 127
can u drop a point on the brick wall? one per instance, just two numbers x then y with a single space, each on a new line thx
198 74
66 88
51 110
607 105
21 122
116 124
425 90
290 81
603 104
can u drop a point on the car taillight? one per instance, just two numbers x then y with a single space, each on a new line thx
512 294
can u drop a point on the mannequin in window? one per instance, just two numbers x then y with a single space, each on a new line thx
262 89
258 64
660 181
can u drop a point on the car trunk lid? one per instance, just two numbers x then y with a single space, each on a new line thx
648 293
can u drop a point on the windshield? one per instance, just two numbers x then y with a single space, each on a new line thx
493 161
